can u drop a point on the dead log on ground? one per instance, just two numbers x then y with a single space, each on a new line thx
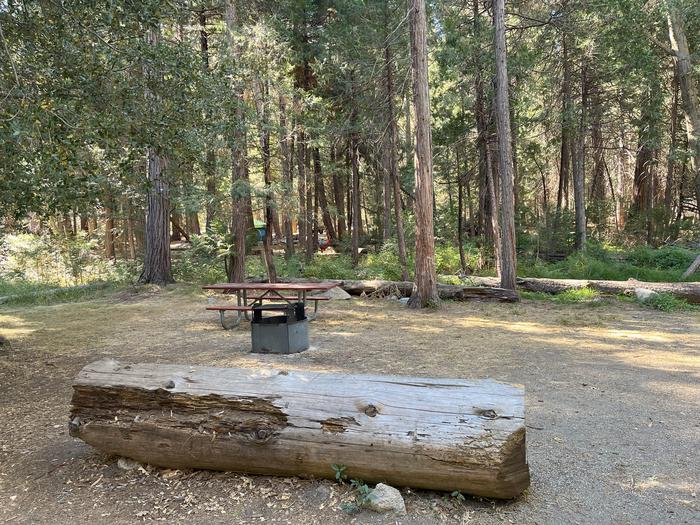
688 291
446 291
487 285
442 434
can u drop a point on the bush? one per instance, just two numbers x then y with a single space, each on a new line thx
58 261
667 302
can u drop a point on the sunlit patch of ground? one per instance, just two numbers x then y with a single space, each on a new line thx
612 401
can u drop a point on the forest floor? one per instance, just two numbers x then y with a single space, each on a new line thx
612 403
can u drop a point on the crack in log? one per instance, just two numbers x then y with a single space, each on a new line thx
255 418
336 425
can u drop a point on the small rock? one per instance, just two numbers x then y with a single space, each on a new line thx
404 300
385 498
338 294
127 464
644 294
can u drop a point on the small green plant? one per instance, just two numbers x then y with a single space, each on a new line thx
578 295
458 495
667 302
362 491
340 475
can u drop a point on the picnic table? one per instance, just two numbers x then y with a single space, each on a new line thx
249 295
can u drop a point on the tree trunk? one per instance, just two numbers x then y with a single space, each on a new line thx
505 157
210 159
109 228
285 154
579 168
301 187
355 196
689 92
311 226
670 160
392 147
565 156
323 199
338 195
460 215
261 101
425 291
156 264
441 434
239 188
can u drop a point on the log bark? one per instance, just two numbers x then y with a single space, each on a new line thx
445 291
688 291
441 434
487 288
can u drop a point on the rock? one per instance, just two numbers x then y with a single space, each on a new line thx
644 294
127 464
404 300
385 498
338 294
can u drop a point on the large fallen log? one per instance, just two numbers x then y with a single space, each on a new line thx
443 434
688 291
445 291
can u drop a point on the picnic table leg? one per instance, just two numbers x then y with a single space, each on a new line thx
245 303
227 326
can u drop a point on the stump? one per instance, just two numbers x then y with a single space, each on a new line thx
441 434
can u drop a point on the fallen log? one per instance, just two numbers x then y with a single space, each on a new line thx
445 291
442 434
688 291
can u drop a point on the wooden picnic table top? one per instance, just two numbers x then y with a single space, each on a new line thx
297 287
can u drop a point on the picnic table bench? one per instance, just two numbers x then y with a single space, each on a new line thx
286 292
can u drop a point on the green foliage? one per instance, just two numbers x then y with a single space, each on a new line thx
642 263
339 470
57 261
667 302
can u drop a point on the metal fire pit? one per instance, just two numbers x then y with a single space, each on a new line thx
287 333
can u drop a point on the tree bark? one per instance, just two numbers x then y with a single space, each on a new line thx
355 196
565 154
157 263
689 92
210 159
579 167
285 154
505 157
392 147
441 434
261 102
323 199
239 187
338 195
425 291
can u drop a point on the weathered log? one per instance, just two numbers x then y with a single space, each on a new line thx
446 291
692 268
442 434
688 291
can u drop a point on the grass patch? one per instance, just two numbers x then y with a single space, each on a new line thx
28 293
573 296
667 302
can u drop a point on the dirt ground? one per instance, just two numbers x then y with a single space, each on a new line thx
612 404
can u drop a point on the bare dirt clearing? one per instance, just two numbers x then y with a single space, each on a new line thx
613 397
